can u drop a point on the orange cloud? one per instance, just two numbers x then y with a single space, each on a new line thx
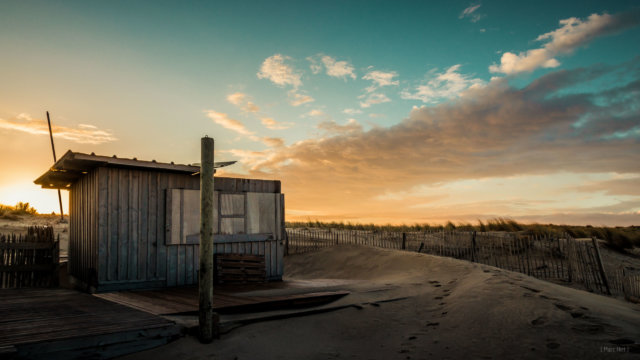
269 123
84 134
226 122
496 131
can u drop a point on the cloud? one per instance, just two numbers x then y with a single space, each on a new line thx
572 33
339 69
352 111
471 14
84 134
316 112
496 131
315 67
273 142
441 86
373 99
277 71
380 79
236 98
334 128
226 122
237 126
334 68
241 100
269 123
296 98
624 186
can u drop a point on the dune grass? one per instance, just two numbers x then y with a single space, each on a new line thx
14 212
616 237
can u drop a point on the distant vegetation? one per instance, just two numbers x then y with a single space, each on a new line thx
13 212
617 237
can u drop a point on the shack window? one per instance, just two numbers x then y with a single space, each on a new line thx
234 213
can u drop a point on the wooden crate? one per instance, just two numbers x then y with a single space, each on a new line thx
239 269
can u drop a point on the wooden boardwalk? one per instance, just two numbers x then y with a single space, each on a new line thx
184 300
66 324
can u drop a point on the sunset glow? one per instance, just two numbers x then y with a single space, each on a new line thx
367 111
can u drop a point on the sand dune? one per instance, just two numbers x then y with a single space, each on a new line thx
440 308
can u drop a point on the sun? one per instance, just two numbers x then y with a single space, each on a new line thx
43 200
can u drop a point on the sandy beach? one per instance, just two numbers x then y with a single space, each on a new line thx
417 306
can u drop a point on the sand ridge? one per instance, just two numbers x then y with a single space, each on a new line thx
447 308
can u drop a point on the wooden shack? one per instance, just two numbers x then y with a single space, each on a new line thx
135 224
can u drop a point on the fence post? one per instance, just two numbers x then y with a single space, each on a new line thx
56 262
568 249
404 241
286 243
473 247
526 253
624 280
600 265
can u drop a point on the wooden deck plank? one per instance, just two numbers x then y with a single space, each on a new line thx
185 300
60 323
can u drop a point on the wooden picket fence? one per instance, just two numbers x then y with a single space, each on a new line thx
561 259
29 260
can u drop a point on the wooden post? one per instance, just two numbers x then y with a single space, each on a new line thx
205 281
473 247
286 243
53 149
600 265
404 241
624 287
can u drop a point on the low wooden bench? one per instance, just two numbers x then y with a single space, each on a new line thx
239 269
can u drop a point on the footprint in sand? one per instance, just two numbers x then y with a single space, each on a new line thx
438 298
530 289
563 307
588 328
433 323
539 321
547 297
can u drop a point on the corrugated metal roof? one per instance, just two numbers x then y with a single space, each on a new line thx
72 165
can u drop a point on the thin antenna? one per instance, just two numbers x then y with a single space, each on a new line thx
53 148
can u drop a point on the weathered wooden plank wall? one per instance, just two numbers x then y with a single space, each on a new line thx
131 247
83 229
118 229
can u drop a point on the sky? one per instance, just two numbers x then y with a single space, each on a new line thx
367 111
